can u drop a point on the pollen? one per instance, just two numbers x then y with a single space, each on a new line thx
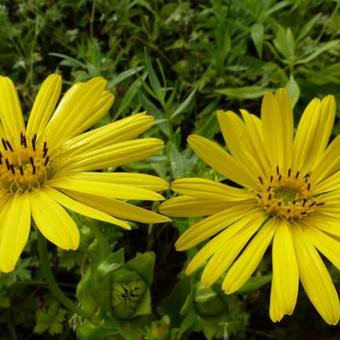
287 196
23 166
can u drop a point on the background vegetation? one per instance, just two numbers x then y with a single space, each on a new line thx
180 60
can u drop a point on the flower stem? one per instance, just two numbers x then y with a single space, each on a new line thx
48 274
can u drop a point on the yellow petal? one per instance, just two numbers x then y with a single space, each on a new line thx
248 261
218 242
15 227
83 209
285 270
116 132
212 154
254 130
104 189
132 179
323 222
315 278
53 221
44 105
211 225
313 133
228 251
10 111
118 208
327 245
76 106
186 206
207 189
101 108
278 128
237 139
328 165
113 155
275 313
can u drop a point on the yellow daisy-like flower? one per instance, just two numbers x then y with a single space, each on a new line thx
289 196
47 165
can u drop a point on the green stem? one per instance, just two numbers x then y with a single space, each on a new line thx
48 274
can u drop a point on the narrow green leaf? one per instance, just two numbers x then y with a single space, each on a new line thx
123 75
256 33
246 92
185 104
293 90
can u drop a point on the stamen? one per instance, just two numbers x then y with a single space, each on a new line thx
287 196
4 144
23 165
260 179
23 140
9 145
34 139
45 152
320 203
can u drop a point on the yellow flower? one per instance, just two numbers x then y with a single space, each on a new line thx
287 193
47 165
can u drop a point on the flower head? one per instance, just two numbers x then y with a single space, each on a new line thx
287 195
47 165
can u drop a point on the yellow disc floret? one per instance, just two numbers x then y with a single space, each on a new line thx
287 196
23 167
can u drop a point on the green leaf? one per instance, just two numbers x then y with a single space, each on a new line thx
130 95
154 82
293 90
111 263
185 104
177 162
123 75
255 283
246 92
319 50
284 42
143 264
256 33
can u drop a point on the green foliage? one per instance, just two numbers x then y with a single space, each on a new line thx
179 60
50 319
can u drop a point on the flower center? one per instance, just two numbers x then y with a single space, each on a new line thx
287 196
25 167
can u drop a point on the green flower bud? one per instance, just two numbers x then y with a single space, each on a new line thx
128 288
208 303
